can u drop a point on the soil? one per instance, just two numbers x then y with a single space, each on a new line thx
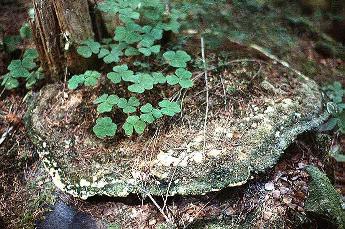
18 161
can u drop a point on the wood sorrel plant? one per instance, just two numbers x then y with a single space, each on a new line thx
138 37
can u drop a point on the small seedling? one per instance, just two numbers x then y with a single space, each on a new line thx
128 106
177 59
26 68
134 123
88 48
106 103
336 107
89 78
104 127
150 114
181 77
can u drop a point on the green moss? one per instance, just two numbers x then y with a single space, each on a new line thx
323 199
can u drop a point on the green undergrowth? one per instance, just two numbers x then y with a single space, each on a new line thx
24 70
336 107
138 39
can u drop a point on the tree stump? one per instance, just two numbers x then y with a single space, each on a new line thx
58 27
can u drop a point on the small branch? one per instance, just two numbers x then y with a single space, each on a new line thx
4 135
206 85
158 207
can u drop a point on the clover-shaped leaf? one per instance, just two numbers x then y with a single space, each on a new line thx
102 53
33 78
158 77
125 34
134 123
142 82
120 73
28 63
30 54
130 51
177 59
109 6
17 69
89 78
150 36
104 127
9 82
148 51
106 103
75 81
182 77
129 106
88 47
150 114
127 14
169 108
113 55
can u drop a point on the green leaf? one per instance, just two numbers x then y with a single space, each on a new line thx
182 77
119 73
143 81
91 78
150 114
148 51
169 108
25 31
109 6
106 103
11 43
30 54
28 63
114 55
102 53
130 51
17 69
129 106
9 82
104 127
127 14
88 47
125 34
84 51
134 123
75 81
173 80
177 59
159 78
150 36
33 78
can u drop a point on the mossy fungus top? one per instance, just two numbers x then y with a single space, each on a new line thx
256 108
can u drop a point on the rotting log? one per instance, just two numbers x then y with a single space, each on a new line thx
58 26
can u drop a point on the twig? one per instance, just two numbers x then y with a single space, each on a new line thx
2 92
169 185
4 135
198 213
206 85
224 90
158 207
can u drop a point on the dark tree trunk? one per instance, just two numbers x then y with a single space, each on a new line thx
58 27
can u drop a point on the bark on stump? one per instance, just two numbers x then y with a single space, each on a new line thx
58 27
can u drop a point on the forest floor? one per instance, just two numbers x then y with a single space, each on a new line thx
24 200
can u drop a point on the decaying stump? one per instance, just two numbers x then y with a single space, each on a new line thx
59 25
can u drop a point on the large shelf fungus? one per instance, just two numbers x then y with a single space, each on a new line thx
248 129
